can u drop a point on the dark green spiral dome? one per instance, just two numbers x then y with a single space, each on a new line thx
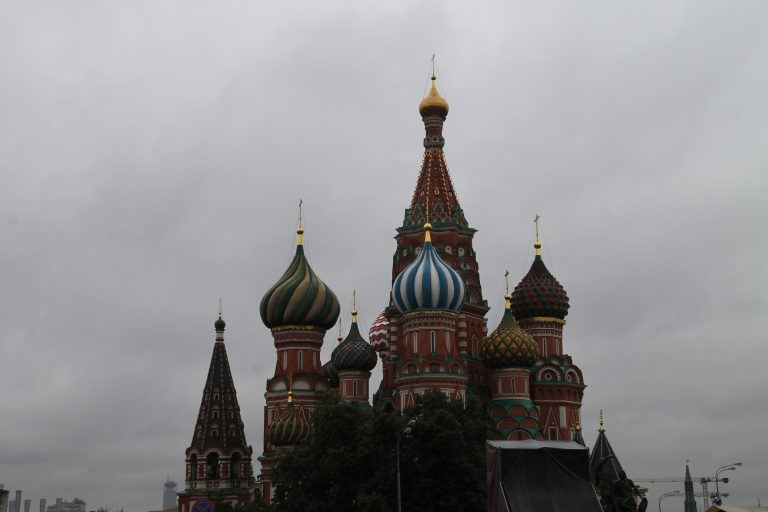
290 428
509 345
331 374
354 353
299 297
539 293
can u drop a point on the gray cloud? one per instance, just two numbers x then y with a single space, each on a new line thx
152 155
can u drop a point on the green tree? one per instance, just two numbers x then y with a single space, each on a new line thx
350 464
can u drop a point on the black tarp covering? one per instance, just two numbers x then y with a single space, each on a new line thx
539 476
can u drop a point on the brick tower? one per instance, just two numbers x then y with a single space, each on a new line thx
352 361
299 309
510 352
540 304
219 458
456 334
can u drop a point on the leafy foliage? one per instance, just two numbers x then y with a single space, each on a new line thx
351 462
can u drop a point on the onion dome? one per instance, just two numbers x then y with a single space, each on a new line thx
331 374
299 297
428 283
509 345
219 324
354 353
379 332
290 428
433 104
539 293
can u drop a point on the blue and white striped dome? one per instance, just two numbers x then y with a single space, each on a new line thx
428 282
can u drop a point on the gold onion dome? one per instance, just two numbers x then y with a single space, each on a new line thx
509 345
299 297
434 104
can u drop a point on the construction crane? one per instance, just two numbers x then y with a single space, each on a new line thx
701 480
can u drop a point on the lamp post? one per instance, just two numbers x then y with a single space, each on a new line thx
405 432
667 495
727 467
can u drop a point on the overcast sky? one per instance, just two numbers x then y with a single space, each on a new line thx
152 155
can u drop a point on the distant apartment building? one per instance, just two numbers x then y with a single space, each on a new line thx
76 505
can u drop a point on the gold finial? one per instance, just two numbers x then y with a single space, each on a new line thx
578 425
290 388
427 236
354 306
602 424
537 244
507 296
300 230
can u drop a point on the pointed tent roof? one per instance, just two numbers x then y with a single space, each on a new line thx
219 401
690 499
600 452
434 193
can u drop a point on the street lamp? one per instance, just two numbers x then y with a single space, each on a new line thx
667 495
405 432
727 467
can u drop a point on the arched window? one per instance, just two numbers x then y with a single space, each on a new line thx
212 466
215 413
432 342
434 368
193 467
234 465
411 370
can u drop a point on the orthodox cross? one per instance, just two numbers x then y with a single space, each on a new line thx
602 428
433 66
301 203
354 306
536 223
506 280
219 306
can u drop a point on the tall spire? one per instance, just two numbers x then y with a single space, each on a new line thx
690 500
434 194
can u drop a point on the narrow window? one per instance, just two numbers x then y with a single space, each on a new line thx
432 342
448 343
354 388
415 344
301 359
285 359
553 433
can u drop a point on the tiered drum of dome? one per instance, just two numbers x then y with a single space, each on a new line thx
432 334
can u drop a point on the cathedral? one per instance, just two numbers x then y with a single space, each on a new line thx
431 334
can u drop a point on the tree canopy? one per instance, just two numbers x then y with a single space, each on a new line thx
350 464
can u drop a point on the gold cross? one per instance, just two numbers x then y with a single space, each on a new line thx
536 223
506 280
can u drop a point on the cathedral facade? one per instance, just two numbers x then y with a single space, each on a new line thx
431 335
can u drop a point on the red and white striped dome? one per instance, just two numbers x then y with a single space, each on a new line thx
379 333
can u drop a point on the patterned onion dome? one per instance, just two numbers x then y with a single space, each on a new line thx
434 104
428 283
290 428
219 324
379 332
331 374
509 345
299 297
539 293
354 353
